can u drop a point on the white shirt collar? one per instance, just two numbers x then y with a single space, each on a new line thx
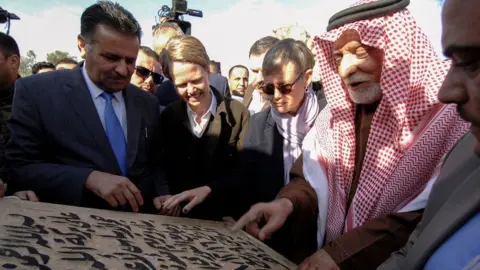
199 128
212 109
257 103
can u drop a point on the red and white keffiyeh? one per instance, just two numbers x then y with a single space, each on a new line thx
410 132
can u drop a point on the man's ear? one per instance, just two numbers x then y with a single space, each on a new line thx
82 46
14 62
308 76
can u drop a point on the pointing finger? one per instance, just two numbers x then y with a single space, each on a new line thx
245 219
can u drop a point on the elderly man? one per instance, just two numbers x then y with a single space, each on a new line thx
448 237
368 167
148 71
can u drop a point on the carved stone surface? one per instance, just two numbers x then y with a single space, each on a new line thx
49 236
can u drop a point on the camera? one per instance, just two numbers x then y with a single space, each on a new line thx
6 17
175 14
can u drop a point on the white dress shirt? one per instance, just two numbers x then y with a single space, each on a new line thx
199 128
257 103
239 98
118 102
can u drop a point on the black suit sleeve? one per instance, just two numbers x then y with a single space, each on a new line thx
166 93
160 183
27 155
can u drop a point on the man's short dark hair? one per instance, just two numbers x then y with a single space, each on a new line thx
67 61
149 52
109 14
8 45
262 45
217 66
237 66
41 65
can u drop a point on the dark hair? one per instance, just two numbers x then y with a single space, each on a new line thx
67 61
262 45
109 14
8 45
237 66
149 52
41 65
217 66
288 51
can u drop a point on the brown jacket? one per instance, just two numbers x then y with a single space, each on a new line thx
193 162
366 246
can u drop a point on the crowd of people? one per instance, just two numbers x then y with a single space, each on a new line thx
374 166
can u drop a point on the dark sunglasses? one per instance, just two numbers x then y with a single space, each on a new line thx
145 73
269 89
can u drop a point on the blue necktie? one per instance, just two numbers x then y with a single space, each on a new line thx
115 133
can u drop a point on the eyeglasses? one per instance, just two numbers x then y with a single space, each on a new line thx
145 73
269 89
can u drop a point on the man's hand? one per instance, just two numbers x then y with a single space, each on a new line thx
274 214
320 260
159 204
27 196
116 190
193 196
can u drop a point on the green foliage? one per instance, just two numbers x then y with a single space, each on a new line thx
26 63
56 56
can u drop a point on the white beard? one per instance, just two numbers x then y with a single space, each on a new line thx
367 96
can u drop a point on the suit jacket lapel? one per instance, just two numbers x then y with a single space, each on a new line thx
133 105
463 202
80 98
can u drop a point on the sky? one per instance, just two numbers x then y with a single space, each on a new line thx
228 27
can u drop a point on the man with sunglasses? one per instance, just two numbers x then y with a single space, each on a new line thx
375 150
147 70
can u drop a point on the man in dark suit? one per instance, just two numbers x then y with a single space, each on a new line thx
254 99
220 83
447 236
9 65
86 136
166 93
